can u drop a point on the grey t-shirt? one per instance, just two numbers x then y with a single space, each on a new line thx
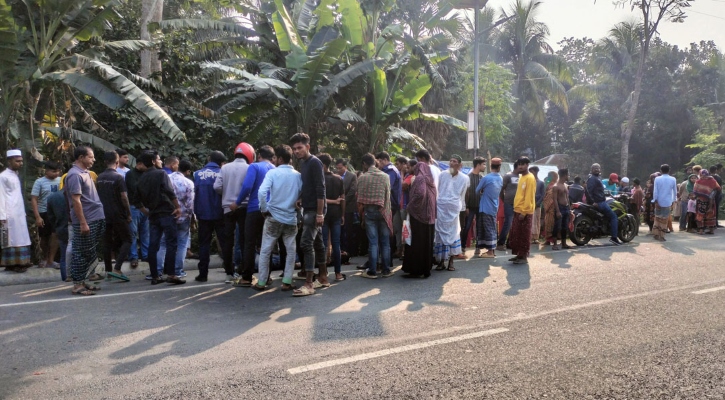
42 188
510 184
79 181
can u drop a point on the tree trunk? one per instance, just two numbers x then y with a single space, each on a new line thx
632 114
151 11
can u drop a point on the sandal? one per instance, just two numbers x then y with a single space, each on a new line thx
260 288
119 276
96 277
565 246
450 265
555 247
92 287
344 277
83 291
303 291
287 287
441 266
134 264
241 283
317 284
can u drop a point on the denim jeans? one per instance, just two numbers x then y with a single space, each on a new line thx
63 246
206 229
603 208
378 235
272 231
139 232
683 215
467 223
561 224
183 233
508 212
311 242
163 226
332 227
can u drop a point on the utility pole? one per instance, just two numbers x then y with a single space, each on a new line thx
476 62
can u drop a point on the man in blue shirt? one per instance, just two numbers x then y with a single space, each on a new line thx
490 189
282 186
254 223
208 209
664 196
382 160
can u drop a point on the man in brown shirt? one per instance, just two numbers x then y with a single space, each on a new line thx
637 200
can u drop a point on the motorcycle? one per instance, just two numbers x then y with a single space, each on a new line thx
590 223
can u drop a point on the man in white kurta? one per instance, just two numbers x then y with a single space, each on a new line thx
16 252
452 187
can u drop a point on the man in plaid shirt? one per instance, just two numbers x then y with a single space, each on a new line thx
373 202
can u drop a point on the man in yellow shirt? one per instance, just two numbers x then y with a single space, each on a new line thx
524 207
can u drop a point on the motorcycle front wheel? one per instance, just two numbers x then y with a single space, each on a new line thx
627 229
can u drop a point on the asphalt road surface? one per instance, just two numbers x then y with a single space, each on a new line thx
641 321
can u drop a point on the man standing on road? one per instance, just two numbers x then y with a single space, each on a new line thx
88 220
490 189
350 230
524 207
254 224
184 190
473 199
373 203
595 195
334 218
117 238
157 193
228 184
139 217
283 186
383 162
209 212
312 202
42 188
664 196
561 210
450 205
508 193
14 236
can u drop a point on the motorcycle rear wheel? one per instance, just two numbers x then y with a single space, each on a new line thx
581 235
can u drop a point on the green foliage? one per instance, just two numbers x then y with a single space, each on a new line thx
708 140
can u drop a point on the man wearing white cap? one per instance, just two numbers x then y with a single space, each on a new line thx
624 185
14 237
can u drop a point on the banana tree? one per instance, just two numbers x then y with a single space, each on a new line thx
59 52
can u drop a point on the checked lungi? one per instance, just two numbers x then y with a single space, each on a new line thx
487 232
520 237
85 250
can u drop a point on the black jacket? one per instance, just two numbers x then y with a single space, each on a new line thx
595 190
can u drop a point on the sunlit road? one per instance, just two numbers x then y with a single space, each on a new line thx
642 321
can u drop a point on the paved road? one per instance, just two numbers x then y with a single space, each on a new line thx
642 321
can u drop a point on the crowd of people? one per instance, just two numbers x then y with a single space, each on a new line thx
267 210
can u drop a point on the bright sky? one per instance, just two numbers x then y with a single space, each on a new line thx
578 18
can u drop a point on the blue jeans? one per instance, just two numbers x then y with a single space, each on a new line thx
378 235
183 233
163 226
613 222
332 225
139 230
63 246
683 215
472 214
508 212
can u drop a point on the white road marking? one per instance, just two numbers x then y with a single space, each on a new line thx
715 289
78 297
394 350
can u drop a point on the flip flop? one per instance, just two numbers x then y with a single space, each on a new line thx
303 291
260 288
344 277
318 285
118 276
